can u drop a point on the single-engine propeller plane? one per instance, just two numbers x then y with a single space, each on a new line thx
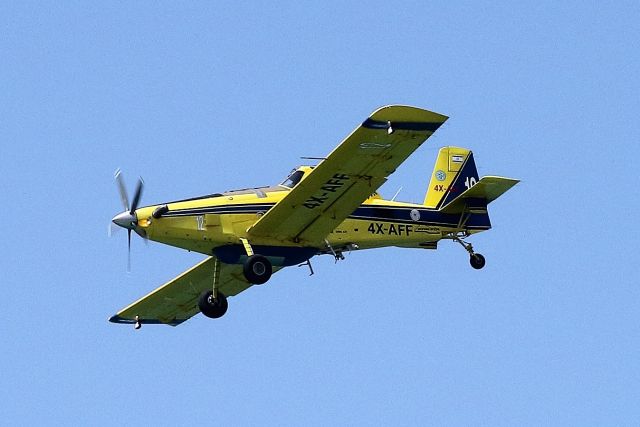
329 208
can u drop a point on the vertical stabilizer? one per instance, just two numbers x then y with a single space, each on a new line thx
454 172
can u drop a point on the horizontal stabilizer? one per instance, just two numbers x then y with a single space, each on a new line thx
487 189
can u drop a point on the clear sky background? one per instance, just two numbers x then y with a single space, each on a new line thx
205 97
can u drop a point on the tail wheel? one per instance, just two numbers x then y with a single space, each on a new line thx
477 261
213 307
257 269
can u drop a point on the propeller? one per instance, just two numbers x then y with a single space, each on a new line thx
128 218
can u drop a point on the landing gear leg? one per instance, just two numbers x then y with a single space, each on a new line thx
476 260
213 303
216 278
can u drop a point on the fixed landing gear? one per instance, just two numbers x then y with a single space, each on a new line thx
213 303
476 260
257 269
213 307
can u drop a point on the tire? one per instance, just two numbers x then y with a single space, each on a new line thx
257 269
213 308
477 261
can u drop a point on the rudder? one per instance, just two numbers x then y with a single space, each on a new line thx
454 172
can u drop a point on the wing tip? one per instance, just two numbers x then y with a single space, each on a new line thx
117 319
398 112
122 320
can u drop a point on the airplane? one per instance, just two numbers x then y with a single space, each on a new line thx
330 208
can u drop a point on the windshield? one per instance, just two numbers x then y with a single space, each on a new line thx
293 179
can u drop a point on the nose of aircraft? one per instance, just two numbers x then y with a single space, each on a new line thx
126 220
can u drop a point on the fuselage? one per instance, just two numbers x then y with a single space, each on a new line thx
215 224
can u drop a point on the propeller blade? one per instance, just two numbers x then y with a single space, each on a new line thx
137 195
122 189
122 219
129 251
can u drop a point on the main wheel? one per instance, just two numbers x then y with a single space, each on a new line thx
477 261
257 269
213 308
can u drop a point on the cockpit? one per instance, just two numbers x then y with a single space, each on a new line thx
296 176
293 179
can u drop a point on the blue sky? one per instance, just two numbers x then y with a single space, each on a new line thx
205 97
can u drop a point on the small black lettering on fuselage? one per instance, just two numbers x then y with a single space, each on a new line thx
328 188
391 229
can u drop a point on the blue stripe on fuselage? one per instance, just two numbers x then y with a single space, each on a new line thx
427 216
364 212
220 209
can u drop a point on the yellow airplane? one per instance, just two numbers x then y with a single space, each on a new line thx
329 208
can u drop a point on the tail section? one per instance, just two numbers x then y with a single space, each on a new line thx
454 172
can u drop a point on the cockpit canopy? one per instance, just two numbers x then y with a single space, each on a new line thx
293 179
296 176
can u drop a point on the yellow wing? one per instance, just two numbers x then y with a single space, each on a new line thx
177 300
348 176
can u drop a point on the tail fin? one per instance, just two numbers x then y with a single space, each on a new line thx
454 172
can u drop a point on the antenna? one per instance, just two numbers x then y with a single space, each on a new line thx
396 195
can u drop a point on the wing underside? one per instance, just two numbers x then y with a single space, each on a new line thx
177 300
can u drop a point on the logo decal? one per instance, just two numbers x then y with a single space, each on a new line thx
368 145
441 176
457 159
415 214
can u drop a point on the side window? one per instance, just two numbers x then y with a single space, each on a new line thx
293 179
